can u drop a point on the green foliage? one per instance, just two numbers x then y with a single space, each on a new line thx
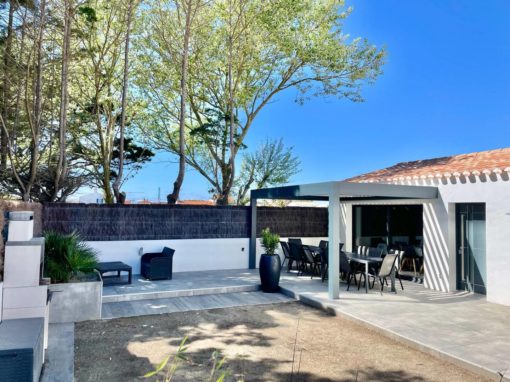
89 13
273 45
66 257
135 156
272 164
262 48
270 241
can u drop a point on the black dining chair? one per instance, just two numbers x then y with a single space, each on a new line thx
323 245
348 270
286 253
363 250
310 262
373 252
295 254
382 248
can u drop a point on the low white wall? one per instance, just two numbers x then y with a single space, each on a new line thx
190 254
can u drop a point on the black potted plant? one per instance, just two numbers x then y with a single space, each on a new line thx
270 263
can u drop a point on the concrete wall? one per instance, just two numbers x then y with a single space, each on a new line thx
439 230
190 254
74 302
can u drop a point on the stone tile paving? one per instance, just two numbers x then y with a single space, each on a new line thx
190 303
59 357
184 284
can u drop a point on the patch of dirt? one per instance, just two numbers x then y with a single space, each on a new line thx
280 342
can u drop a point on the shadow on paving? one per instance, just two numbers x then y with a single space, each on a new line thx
259 343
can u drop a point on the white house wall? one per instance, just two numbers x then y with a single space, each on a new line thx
495 193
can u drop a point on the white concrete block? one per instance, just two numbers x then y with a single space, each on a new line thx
46 326
25 297
10 314
20 230
22 263
1 299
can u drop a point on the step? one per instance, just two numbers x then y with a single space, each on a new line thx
135 296
189 303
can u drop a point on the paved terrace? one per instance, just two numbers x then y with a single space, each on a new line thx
460 326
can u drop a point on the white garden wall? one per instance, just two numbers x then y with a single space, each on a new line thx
190 254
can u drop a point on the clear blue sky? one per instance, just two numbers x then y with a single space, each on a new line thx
445 90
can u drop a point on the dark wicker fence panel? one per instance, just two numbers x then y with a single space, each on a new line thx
294 221
160 222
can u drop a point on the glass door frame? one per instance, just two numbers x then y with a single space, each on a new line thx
467 266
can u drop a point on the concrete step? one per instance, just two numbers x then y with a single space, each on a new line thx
189 303
162 294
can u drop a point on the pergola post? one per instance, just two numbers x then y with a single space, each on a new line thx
252 262
334 247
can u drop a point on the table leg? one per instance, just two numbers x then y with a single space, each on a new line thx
129 277
366 278
393 289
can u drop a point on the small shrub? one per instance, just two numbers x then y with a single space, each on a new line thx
167 368
67 257
270 241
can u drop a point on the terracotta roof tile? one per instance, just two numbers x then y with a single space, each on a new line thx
484 162
197 202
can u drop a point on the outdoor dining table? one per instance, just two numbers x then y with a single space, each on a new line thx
366 261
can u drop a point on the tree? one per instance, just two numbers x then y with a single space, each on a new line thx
6 85
63 105
269 48
169 42
118 179
271 165
60 171
33 105
187 8
98 87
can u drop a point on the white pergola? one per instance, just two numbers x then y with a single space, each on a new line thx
333 192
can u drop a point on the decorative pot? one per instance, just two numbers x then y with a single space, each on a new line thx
269 269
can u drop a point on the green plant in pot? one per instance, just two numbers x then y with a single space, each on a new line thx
68 258
270 263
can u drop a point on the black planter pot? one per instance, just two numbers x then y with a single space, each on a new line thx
269 269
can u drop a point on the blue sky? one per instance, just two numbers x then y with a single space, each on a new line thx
445 90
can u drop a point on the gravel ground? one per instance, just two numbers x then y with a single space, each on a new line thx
280 342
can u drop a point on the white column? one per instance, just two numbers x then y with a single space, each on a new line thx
333 247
